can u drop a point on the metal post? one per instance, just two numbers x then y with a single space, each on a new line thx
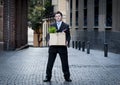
68 43
79 45
105 49
73 44
83 46
76 44
88 47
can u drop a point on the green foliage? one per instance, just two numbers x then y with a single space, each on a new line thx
38 11
48 9
35 13
52 29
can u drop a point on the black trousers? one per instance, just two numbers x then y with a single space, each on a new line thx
64 61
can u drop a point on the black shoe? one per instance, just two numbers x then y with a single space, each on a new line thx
68 80
46 80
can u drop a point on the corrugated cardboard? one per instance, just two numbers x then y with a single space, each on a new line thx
57 39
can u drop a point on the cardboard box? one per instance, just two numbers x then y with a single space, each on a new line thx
57 39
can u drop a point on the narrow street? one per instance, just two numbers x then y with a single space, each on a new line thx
27 67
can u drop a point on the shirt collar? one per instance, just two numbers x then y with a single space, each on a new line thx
60 22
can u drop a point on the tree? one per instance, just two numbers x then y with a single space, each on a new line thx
35 13
48 9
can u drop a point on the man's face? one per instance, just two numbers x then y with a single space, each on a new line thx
58 17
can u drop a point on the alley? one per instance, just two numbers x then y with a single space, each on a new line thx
27 67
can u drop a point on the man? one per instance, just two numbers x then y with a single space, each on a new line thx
62 50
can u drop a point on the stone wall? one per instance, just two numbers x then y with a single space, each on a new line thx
98 38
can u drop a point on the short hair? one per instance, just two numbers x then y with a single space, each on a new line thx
58 12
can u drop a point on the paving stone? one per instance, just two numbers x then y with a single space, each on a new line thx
28 66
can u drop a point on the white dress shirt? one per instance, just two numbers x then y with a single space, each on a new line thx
59 24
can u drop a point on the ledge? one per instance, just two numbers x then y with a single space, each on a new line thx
108 28
22 47
85 28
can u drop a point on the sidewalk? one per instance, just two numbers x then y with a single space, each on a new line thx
27 67
1 46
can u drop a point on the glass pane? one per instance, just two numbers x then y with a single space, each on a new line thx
85 12
77 4
109 13
1 2
70 4
71 19
96 12
76 18
70 12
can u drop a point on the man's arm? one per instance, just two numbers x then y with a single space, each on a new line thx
68 37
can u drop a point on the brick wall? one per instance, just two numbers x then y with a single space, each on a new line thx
1 23
15 24
9 22
24 22
21 23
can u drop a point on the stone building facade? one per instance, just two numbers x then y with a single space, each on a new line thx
97 21
61 5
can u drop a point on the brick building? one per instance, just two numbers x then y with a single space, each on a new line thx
1 24
14 22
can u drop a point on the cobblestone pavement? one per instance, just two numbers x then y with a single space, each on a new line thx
27 67
1 46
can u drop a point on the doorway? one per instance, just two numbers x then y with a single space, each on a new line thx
30 37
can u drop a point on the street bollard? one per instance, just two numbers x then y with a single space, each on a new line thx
105 50
76 44
88 47
73 44
79 45
83 46
68 44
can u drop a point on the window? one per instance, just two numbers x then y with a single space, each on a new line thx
70 18
1 2
70 4
76 18
109 13
77 1
96 12
77 12
85 12
70 12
